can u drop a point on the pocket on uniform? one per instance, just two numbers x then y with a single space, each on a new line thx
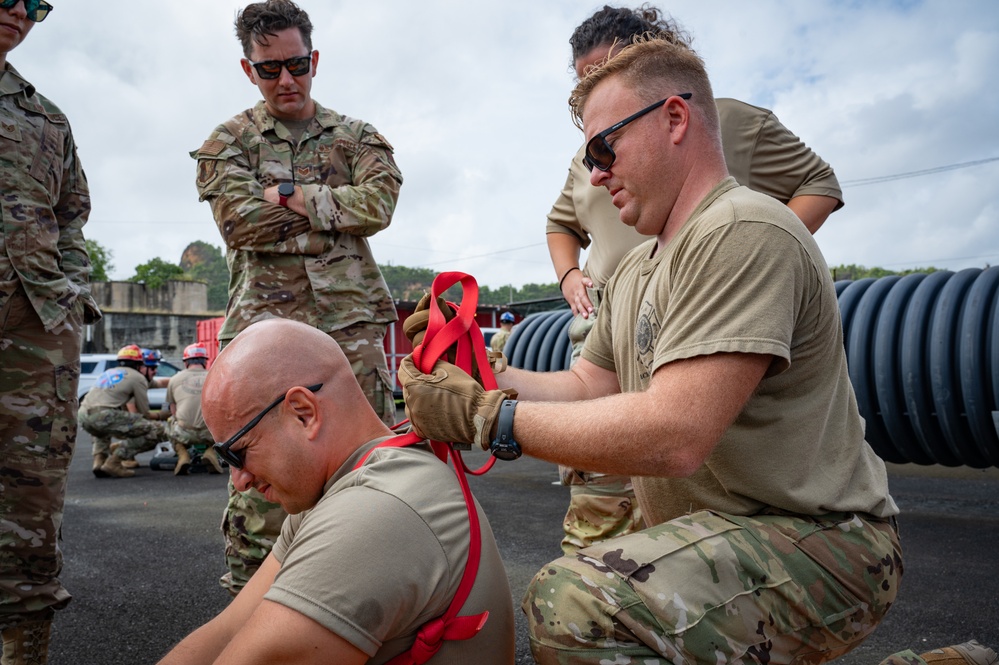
67 378
43 166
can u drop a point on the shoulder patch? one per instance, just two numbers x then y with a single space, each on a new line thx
212 147
377 139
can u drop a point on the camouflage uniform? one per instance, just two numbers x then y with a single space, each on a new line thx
316 269
103 414
180 434
499 340
44 302
601 505
187 425
716 587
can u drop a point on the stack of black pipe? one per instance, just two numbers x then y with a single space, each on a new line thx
923 355
540 342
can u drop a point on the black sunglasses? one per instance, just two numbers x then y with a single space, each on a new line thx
271 69
35 9
234 458
599 153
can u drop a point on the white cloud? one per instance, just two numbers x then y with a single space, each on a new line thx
473 97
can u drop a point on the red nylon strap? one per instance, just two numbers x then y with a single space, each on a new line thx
470 354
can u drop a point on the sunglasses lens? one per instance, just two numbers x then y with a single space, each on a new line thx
231 458
299 66
40 13
268 70
599 154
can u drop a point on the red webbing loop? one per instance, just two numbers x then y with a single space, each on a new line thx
470 354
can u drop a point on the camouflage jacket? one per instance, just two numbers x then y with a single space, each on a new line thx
317 269
44 203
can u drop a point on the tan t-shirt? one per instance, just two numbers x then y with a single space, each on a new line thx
383 552
115 387
760 153
184 390
744 275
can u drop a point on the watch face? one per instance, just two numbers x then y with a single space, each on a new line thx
286 189
506 451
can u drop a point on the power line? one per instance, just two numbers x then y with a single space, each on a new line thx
483 256
913 174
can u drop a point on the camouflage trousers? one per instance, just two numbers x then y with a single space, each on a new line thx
39 374
138 434
182 435
709 587
601 506
251 523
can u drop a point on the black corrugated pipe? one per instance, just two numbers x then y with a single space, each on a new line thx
923 355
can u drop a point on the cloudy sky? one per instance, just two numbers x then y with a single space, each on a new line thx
473 97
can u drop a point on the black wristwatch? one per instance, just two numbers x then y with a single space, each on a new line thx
504 446
285 191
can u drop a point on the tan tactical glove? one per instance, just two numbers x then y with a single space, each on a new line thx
449 405
415 325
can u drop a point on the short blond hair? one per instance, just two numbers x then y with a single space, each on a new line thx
653 68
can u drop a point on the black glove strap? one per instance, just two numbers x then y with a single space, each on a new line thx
504 446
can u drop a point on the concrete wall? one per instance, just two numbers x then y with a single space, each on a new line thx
174 297
165 319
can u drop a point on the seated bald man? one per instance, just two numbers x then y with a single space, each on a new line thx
367 555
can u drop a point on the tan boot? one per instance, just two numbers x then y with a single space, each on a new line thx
126 463
212 460
27 643
968 653
98 463
113 468
183 460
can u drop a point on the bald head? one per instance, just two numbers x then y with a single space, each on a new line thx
270 357
273 355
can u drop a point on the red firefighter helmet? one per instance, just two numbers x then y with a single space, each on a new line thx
130 352
195 351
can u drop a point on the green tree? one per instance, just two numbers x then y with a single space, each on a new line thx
854 272
411 283
100 261
407 283
156 272
205 262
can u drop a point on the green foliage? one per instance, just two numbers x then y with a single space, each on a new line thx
100 261
854 272
409 284
156 272
205 262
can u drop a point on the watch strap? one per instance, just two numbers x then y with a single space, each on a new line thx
504 446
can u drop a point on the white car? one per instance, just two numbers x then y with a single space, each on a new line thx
92 365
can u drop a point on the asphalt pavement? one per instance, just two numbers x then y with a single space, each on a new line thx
143 556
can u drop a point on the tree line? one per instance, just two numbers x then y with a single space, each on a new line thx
205 262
